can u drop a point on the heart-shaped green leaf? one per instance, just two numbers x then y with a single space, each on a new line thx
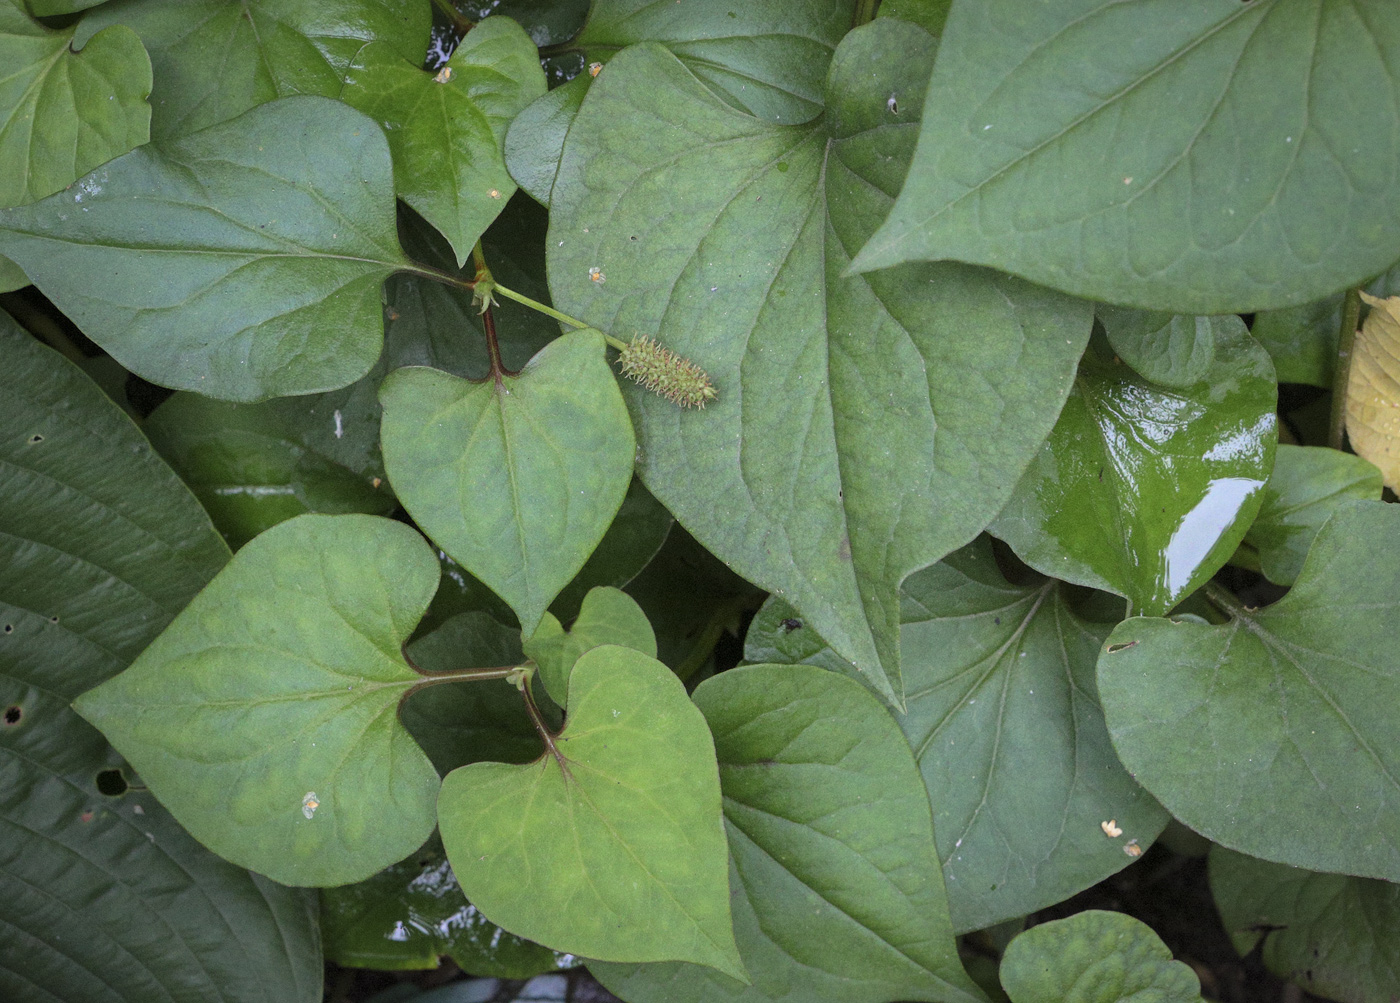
63 113
214 60
606 617
1305 488
255 465
265 717
1004 721
834 879
231 262
1338 937
765 57
445 132
1143 490
1275 734
516 477
1169 349
863 428
636 535
611 847
410 914
106 897
1228 157
1095 957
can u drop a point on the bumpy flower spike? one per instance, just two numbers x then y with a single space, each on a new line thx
666 373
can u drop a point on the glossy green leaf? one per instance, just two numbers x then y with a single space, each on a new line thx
63 113
107 897
821 472
214 60
1168 349
255 465
931 15
468 722
617 839
765 57
1274 734
1004 720
1303 339
1307 485
230 262
264 716
1095 957
1224 158
1143 490
445 131
636 535
1337 937
517 478
834 881
410 914
606 617
548 22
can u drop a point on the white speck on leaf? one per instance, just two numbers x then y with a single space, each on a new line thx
1110 828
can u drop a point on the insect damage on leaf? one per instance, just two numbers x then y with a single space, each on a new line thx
666 373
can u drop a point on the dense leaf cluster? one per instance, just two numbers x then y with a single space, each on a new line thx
956 337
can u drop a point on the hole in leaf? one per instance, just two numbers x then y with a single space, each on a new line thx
13 714
35 439
53 619
1115 648
112 783
9 628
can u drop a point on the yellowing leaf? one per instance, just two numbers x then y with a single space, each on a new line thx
1373 389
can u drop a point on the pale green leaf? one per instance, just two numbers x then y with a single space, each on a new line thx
834 879
1095 957
264 717
1274 734
1212 158
62 113
1004 720
1144 490
1338 937
518 477
100 546
1306 486
213 60
231 262
863 428
606 617
617 837
1168 349
445 131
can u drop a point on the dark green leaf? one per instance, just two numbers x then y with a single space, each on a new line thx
410 914
1095 957
1225 157
607 617
63 113
765 57
821 472
255 465
1143 490
1274 734
213 60
548 22
613 849
1306 486
930 15
264 716
12 277
517 478
231 262
107 897
1168 349
1336 936
636 535
834 881
1004 720
468 722
445 132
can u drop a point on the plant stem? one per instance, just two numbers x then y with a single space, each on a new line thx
1346 337
493 348
1225 601
549 311
437 275
537 719
459 21
864 13
479 259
